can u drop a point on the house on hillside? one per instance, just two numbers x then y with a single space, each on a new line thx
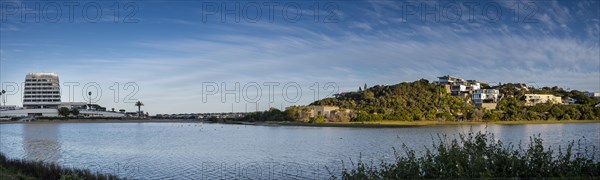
570 101
457 86
331 113
486 98
521 86
447 79
325 111
533 99
593 94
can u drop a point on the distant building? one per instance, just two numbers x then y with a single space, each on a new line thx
9 107
42 91
73 105
486 98
41 97
457 86
533 99
570 101
93 113
521 86
449 80
456 89
516 86
331 113
30 113
593 94
325 111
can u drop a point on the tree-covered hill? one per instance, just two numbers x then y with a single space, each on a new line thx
404 101
423 100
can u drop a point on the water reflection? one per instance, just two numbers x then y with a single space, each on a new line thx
41 142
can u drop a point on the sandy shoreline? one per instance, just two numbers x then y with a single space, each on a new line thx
391 124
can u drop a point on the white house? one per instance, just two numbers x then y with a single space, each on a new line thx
533 99
486 98
457 86
449 80
570 101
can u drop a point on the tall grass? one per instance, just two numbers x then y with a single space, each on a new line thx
479 155
42 170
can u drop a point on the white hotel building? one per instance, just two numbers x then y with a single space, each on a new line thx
42 91
41 97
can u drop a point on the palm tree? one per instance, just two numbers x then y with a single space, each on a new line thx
2 95
139 104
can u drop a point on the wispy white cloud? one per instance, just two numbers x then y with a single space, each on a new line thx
361 25
9 27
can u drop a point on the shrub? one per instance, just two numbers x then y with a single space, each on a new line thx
479 155
42 170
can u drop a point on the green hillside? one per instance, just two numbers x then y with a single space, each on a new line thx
423 100
404 101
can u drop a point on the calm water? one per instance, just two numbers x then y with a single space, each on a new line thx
216 151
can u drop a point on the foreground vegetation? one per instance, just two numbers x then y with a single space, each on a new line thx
479 155
25 169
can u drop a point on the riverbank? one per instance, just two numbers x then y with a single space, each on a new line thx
370 124
384 124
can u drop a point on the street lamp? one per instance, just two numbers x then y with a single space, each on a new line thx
90 99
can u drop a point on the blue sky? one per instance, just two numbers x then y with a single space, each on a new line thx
169 49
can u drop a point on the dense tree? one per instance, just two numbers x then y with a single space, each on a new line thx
485 86
273 114
75 112
405 101
63 111
475 115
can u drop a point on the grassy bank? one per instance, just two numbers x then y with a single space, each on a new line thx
25 169
479 155
429 122
422 123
